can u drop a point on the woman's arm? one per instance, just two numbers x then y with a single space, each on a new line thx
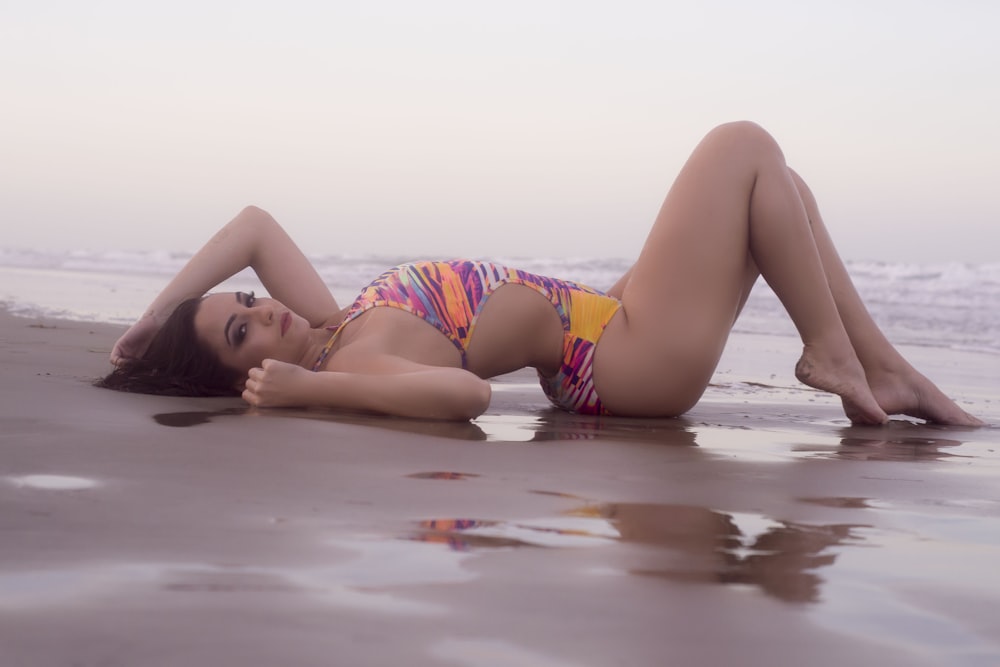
428 392
252 239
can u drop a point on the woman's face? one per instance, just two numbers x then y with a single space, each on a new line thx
244 330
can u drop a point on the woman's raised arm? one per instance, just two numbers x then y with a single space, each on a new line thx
252 239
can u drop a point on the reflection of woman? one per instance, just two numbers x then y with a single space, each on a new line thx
782 560
647 348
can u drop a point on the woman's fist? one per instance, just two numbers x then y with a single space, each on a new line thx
276 384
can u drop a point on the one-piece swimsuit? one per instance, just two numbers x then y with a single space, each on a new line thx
450 296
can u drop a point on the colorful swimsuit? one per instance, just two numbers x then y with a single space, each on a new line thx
450 296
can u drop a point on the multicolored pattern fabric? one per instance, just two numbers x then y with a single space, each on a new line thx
450 295
572 387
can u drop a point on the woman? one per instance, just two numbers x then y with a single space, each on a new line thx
646 348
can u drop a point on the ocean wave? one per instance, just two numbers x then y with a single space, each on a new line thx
942 304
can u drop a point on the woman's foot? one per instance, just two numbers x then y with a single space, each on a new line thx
910 393
842 375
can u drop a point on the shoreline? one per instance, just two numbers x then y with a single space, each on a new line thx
179 531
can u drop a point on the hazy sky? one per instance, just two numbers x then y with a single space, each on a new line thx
488 129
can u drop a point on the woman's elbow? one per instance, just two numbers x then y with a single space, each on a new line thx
484 395
474 401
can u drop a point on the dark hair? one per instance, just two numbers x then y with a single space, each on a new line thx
177 363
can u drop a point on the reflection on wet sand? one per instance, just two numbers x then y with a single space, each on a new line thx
443 474
544 425
53 482
900 441
443 429
469 534
781 559
898 446
692 544
551 424
841 503
195 417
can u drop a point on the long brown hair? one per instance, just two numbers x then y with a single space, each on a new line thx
177 363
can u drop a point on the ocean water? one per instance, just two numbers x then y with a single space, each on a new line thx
950 305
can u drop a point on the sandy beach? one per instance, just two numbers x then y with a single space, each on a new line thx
761 529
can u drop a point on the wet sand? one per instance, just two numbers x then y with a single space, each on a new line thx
761 529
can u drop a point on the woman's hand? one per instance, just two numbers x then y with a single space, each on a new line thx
276 384
134 342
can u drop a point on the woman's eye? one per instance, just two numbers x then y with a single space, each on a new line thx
251 300
241 333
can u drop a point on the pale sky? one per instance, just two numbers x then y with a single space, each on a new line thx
534 128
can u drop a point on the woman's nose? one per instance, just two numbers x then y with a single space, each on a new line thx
265 314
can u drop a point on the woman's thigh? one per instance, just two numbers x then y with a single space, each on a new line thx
689 283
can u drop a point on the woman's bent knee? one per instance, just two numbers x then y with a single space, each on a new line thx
741 128
255 212
744 134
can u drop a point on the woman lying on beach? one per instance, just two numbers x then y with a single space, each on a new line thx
646 348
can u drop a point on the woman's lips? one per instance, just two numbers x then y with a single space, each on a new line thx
286 321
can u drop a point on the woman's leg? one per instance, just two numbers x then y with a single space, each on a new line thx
897 386
733 209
